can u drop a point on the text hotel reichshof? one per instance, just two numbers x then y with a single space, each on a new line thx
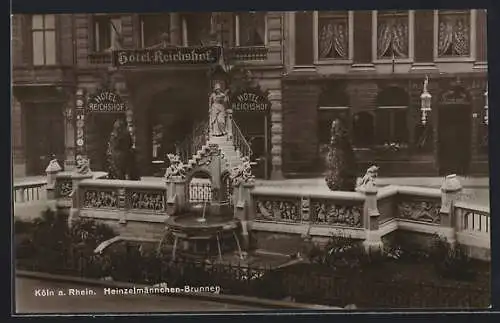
201 55
161 290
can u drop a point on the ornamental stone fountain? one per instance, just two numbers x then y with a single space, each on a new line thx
215 224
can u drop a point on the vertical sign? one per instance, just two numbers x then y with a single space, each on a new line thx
80 122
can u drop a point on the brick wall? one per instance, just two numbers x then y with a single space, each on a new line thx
300 126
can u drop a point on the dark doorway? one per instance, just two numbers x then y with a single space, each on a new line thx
172 118
454 139
44 136
99 128
256 129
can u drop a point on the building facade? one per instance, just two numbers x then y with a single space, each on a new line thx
366 67
61 59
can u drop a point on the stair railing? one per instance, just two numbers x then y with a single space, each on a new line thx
194 142
240 143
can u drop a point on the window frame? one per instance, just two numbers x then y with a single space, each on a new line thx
350 46
95 40
472 37
411 40
44 30
141 26
237 30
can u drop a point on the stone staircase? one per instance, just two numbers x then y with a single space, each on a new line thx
232 157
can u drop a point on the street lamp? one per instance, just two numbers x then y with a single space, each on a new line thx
426 99
486 106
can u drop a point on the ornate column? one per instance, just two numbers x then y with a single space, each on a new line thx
82 171
371 214
52 170
243 183
80 119
175 180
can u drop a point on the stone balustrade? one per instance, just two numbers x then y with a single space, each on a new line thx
372 214
368 215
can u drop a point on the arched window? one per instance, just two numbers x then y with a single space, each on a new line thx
333 104
363 129
392 116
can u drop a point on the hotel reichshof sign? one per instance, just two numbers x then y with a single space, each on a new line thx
105 101
166 56
250 100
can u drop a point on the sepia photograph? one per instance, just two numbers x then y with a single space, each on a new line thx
256 161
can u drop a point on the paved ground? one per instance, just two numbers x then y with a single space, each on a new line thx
29 303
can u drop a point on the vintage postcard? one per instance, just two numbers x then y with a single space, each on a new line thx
250 161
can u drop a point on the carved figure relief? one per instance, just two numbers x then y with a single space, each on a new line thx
420 211
151 201
100 199
279 211
64 187
325 212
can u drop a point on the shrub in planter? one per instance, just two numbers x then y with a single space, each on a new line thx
451 261
340 160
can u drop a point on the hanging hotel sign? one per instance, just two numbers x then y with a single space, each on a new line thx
106 101
250 100
166 56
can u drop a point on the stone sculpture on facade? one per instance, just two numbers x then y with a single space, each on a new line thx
369 179
218 104
242 173
176 168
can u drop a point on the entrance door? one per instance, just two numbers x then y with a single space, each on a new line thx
44 136
454 139
255 128
172 119
99 128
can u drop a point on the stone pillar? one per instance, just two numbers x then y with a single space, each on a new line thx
276 133
175 29
450 192
52 170
424 41
242 200
362 60
176 195
371 217
76 205
481 39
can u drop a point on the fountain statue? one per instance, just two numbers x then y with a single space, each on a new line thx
218 105
369 179
176 167
82 165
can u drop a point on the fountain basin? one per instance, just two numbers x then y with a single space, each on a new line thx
207 236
